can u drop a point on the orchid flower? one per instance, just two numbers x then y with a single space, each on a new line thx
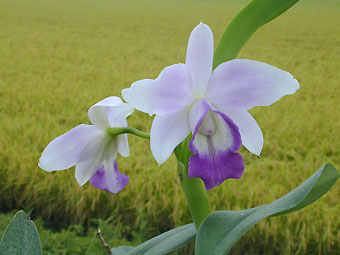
212 105
91 148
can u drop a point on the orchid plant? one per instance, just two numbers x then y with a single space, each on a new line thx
201 114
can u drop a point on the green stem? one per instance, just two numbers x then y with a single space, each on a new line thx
195 195
193 188
129 130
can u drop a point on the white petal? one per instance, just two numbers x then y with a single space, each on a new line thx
123 145
63 152
170 92
97 113
241 84
117 115
92 158
139 95
109 112
199 57
251 134
167 132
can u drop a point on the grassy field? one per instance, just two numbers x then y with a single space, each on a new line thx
57 58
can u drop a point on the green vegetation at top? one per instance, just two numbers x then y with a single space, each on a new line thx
58 58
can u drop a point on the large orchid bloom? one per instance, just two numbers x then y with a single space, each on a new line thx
212 105
91 148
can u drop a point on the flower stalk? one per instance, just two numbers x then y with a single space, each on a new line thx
127 130
194 189
195 195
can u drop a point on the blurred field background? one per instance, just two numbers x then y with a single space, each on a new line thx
58 58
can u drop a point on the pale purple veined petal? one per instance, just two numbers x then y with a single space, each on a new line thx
109 178
170 92
93 156
251 134
199 58
167 132
215 142
110 112
63 152
241 84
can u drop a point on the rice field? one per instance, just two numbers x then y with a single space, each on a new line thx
58 58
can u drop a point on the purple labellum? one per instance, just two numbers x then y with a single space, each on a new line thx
213 162
109 179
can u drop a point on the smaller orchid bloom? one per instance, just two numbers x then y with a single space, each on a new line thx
91 148
212 105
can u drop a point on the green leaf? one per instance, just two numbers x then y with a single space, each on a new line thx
222 229
121 250
245 23
21 237
162 244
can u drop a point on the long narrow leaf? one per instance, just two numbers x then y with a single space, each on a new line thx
222 229
122 250
162 244
245 23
